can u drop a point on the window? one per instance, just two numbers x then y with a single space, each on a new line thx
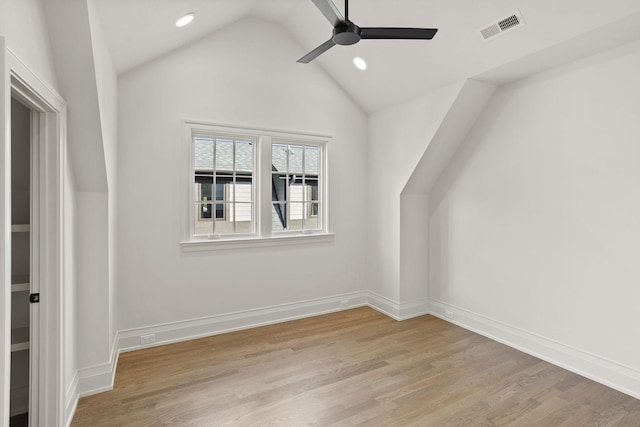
254 184
223 178
295 196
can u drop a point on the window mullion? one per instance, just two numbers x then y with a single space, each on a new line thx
323 182
214 187
304 192
193 205
287 192
264 183
233 186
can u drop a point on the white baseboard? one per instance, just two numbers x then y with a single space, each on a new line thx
414 308
98 378
384 305
396 310
599 369
71 400
168 333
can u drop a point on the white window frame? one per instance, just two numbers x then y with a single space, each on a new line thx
207 133
263 234
321 181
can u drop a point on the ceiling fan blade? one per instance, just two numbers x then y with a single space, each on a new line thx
330 11
398 33
317 51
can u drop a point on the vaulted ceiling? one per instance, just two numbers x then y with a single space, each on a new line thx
140 30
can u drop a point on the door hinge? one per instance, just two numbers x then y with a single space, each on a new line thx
33 298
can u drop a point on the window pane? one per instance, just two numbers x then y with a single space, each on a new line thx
295 179
203 192
241 192
296 193
311 189
296 211
279 158
231 186
278 187
244 178
203 223
224 154
240 212
203 154
244 156
224 181
278 217
223 223
295 158
219 208
311 160
296 216
202 188
311 220
219 191
234 218
205 211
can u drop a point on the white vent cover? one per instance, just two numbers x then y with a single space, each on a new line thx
503 25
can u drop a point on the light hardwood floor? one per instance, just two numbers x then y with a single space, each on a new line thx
355 367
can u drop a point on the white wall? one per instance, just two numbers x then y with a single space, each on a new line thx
245 74
535 225
93 279
107 90
70 313
89 84
398 137
414 246
72 47
23 24
106 81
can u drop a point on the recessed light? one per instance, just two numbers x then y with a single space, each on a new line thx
359 63
185 19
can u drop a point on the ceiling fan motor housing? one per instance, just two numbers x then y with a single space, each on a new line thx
346 34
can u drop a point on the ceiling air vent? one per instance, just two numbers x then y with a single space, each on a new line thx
505 24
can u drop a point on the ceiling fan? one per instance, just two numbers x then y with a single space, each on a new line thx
346 32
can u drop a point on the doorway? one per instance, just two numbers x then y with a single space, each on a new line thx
32 256
24 276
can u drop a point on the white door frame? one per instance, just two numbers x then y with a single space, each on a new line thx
49 115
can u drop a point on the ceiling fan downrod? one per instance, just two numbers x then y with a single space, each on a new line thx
346 33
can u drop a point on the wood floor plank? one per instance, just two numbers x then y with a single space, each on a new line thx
351 368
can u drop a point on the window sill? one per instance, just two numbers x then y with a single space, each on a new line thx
256 242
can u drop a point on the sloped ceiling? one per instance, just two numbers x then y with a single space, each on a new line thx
141 30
